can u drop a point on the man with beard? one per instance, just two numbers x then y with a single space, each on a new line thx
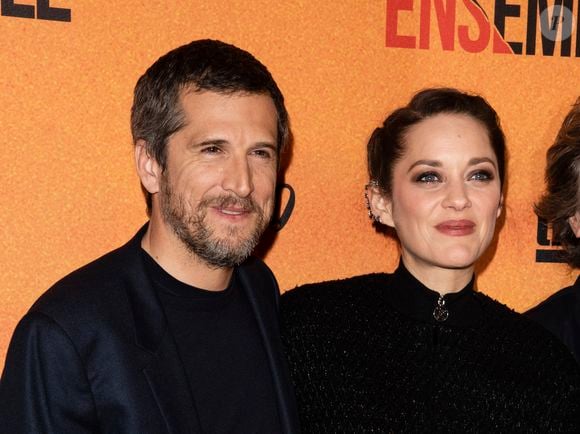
177 330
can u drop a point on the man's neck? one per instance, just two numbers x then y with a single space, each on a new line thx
171 255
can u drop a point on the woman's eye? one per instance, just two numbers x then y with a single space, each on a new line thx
428 178
482 175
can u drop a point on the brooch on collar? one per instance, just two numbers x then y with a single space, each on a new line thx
440 313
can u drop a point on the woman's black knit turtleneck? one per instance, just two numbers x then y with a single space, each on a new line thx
367 356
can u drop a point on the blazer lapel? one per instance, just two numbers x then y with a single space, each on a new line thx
165 374
262 292
167 380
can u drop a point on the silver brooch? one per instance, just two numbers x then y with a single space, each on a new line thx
440 313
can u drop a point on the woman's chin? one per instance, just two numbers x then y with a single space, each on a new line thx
459 260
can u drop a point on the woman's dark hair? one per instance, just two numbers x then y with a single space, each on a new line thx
560 201
387 143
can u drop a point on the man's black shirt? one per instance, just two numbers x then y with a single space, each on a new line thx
220 345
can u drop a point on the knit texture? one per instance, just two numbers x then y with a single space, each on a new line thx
361 362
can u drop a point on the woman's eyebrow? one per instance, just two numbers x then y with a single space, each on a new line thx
432 163
475 161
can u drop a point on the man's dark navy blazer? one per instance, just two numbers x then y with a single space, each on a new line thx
94 354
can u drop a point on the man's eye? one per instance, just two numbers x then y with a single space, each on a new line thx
427 178
211 150
263 153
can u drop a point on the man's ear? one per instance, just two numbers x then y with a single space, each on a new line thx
380 205
148 169
574 223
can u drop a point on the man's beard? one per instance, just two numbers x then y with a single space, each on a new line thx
192 229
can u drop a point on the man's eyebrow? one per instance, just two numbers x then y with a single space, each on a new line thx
221 142
432 163
268 145
210 142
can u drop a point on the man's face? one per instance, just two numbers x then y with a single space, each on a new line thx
217 190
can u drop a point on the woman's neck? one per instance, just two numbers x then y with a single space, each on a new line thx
437 278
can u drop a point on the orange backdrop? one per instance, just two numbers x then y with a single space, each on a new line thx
70 192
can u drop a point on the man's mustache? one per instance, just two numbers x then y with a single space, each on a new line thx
245 204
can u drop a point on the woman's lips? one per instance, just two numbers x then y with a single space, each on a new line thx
456 228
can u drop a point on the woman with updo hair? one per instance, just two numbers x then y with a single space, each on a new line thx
560 208
420 350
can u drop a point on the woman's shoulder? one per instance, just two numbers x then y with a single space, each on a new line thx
325 321
501 316
526 338
352 287
333 299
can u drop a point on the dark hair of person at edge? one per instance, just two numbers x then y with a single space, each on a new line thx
560 204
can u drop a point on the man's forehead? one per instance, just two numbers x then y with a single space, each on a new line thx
202 99
206 110
192 88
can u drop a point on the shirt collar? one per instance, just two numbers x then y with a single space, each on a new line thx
409 296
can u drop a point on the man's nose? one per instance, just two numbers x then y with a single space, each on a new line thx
238 177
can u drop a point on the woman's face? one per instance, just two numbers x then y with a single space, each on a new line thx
446 193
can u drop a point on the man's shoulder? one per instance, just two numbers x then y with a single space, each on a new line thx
565 302
95 284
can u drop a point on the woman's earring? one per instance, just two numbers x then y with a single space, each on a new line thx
371 184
